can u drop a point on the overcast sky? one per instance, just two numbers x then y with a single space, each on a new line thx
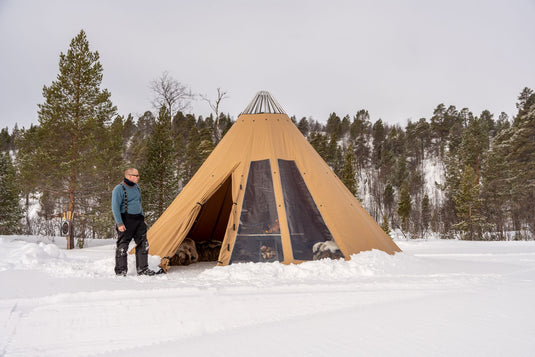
396 59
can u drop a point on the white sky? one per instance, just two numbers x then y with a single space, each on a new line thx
397 59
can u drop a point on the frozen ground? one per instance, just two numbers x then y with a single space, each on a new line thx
437 298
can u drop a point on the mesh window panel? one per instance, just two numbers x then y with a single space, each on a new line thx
258 238
305 222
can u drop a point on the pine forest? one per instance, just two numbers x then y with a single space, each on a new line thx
455 175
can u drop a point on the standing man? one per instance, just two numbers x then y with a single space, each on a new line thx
128 214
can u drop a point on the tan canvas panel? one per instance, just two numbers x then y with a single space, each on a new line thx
273 137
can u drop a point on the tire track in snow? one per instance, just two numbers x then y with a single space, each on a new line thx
9 328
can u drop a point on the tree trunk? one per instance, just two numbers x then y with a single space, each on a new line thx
70 236
470 221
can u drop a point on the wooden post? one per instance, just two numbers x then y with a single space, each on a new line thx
70 235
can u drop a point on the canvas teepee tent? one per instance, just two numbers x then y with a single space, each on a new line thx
267 195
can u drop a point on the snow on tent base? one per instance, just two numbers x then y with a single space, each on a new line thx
266 195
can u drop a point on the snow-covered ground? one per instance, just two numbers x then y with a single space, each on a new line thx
437 298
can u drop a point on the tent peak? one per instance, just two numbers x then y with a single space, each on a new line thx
263 103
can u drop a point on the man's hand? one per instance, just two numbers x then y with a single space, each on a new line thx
121 228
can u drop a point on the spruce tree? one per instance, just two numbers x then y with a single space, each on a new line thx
404 206
388 200
360 135
334 125
495 184
303 126
159 172
348 174
379 137
319 142
6 140
423 136
385 226
10 194
441 125
334 155
206 145
474 144
192 160
225 123
417 140
523 104
400 173
468 205
396 141
180 154
129 129
502 123
453 170
136 152
344 126
426 214
75 114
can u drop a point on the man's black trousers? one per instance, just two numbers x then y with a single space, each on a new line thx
137 229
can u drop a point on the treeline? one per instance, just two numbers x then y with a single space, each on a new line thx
454 174
483 187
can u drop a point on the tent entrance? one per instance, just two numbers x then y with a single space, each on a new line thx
211 222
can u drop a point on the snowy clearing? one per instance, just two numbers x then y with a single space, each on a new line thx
437 298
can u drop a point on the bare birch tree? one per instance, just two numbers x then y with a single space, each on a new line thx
215 107
171 94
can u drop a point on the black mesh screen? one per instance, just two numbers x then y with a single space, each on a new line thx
304 219
258 238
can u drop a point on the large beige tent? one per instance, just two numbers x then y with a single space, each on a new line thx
267 195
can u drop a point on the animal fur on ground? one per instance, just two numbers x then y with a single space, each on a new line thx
208 250
328 249
186 253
